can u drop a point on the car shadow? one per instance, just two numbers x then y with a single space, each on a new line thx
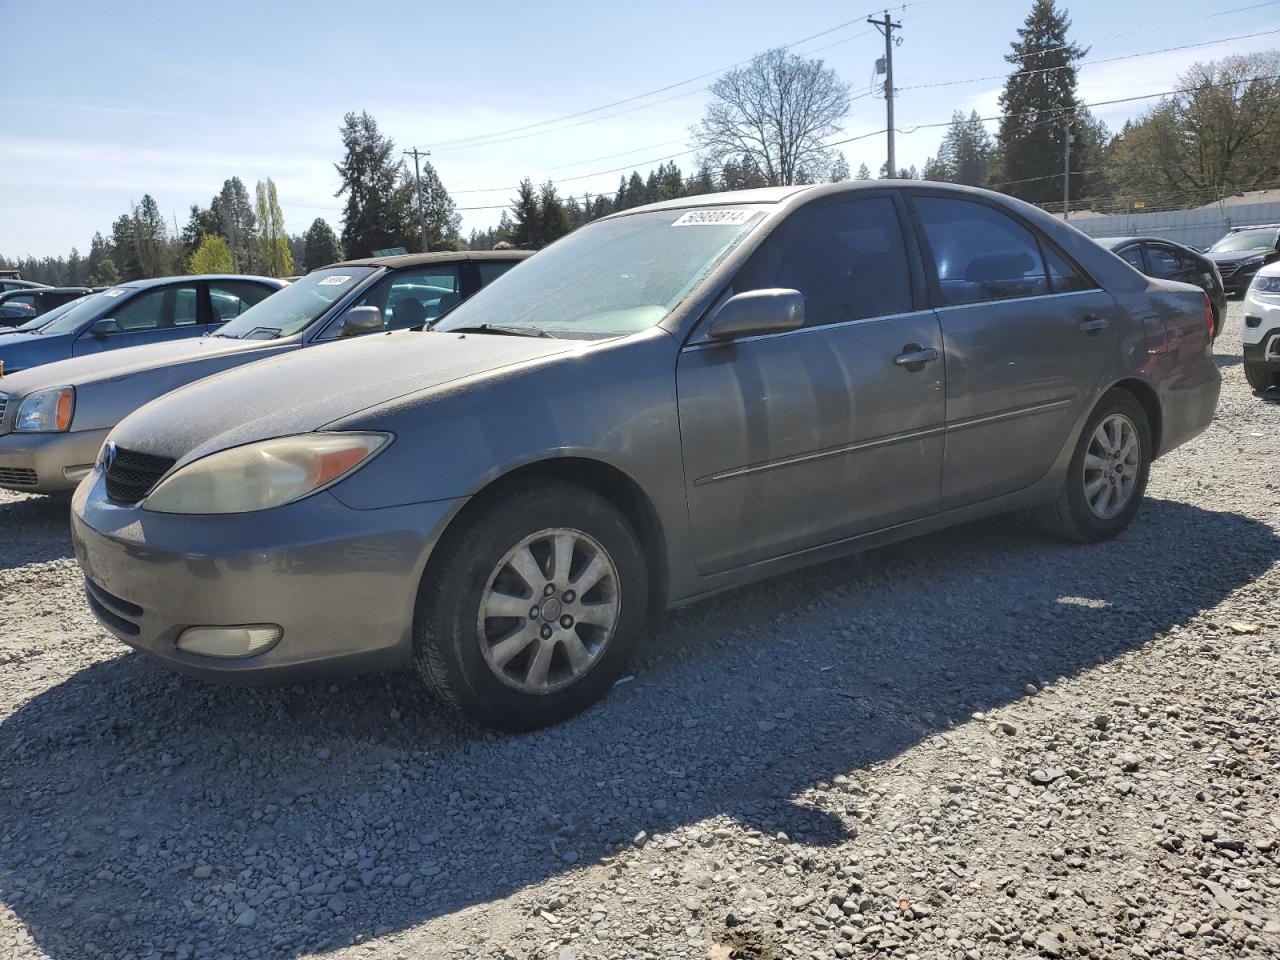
34 529
358 808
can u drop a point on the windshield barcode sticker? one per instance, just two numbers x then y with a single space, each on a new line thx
113 293
713 218
333 281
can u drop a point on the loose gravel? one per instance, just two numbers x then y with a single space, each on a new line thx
980 744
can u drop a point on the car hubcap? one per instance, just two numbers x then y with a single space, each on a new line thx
548 610
1111 466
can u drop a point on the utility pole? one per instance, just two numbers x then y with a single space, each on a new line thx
1066 169
417 178
886 27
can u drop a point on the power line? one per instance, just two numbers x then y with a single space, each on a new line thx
462 142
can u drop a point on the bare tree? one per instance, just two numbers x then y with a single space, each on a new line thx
776 112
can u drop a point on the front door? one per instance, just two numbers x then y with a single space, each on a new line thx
1027 336
796 439
149 316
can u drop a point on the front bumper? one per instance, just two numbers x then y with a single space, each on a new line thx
47 462
341 583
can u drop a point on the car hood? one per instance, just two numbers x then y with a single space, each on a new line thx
114 364
308 389
26 350
1233 256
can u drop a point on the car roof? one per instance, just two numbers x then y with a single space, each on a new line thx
30 290
400 260
160 281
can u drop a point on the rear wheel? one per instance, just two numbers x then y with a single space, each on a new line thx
533 608
1261 376
1108 473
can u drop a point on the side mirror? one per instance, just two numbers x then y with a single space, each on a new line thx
758 311
360 320
104 328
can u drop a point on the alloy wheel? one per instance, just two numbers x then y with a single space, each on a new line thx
1112 463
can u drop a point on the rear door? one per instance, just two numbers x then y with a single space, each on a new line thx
1027 337
153 315
804 437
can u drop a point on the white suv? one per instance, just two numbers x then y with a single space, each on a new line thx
1262 329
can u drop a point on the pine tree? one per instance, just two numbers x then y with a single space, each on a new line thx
1038 99
233 212
105 274
670 182
374 216
839 169
863 173
75 269
322 246
200 223
620 198
526 226
553 218
965 153
212 256
635 194
439 210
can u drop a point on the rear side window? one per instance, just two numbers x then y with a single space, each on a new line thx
1063 277
848 259
230 298
491 270
980 254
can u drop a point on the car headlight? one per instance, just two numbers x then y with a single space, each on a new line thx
1251 262
46 411
269 473
1266 284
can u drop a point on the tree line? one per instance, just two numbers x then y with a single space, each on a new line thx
769 123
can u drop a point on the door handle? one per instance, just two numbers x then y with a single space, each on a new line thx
1094 324
915 356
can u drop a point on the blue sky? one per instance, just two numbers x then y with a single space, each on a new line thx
110 101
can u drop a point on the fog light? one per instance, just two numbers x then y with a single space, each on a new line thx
230 641
1253 321
76 474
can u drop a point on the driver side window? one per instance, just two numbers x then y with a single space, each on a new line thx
415 296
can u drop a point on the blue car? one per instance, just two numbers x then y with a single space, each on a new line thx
136 313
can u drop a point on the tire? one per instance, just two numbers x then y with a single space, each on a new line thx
1261 376
460 653
1071 517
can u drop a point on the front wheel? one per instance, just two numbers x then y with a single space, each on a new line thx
1261 376
1108 473
533 607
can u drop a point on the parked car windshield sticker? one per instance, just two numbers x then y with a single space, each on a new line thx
713 218
118 292
333 281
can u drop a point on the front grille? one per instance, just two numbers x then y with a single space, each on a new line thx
131 475
1228 270
4 406
112 610
17 477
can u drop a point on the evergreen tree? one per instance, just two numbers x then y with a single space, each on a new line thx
863 173
439 210
75 270
374 216
201 223
670 182
526 226
703 182
965 153
273 242
635 194
553 218
620 198
1038 99
322 246
212 256
839 169
99 250
105 274
233 213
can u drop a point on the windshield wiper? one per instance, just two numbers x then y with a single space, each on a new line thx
501 330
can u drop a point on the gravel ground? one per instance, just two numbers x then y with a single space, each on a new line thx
981 744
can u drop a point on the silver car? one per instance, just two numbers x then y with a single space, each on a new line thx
54 417
672 401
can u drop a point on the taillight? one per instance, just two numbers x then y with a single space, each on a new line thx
1208 316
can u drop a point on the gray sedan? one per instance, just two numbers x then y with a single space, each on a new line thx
670 402
54 417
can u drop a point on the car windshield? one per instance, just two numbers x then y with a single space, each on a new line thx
610 278
297 306
1245 240
83 310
